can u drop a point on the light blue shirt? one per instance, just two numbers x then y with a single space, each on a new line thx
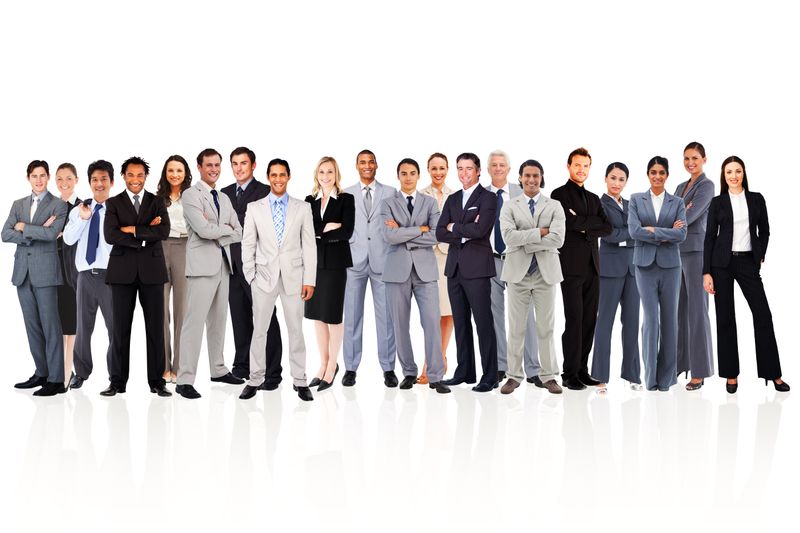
77 230
282 199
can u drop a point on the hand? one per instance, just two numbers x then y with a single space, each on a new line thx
424 229
651 229
128 229
156 221
544 231
391 223
84 211
19 226
689 206
678 224
49 222
307 292
708 283
450 226
330 226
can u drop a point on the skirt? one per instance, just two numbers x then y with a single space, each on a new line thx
327 303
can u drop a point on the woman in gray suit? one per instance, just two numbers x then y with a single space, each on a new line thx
657 223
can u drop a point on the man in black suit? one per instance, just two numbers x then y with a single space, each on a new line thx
136 222
580 265
240 300
466 221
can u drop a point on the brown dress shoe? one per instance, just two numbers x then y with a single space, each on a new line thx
552 387
509 386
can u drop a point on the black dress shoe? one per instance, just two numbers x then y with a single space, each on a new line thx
457 381
731 387
349 378
588 380
304 393
389 379
248 392
269 385
484 387
314 382
112 390
228 378
31 383
501 375
76 382
161 390
51 389
187 391
536 381
780 387
440 387
573 384
408 382
241 373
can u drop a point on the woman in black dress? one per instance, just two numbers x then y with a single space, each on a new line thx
334 214
66 179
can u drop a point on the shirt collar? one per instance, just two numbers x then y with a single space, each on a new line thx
40 197
504 188
469 191
130 195
535 198
657 196
413 196
245 184
275 199
206 186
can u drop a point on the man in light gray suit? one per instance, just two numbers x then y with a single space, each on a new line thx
212 225
279 259
33 225
499 167
533 228
411 269
369 256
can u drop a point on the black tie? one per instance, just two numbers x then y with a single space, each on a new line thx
239 193
499 243
410 205
216 200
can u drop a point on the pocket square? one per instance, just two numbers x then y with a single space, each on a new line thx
471 208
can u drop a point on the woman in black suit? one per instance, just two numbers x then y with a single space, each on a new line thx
66 179
334 214
736 241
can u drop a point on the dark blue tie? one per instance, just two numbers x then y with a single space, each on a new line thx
239 193
410 205
499 243
94 235
534 265
216 200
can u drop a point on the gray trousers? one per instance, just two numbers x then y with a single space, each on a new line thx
617 292
398 296
694 328
43 326
206 304
92 292
658 289
354 293
175 257
532 367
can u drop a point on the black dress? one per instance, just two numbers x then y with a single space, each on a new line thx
333 257
67 304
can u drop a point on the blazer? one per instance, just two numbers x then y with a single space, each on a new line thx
700 197
661 247
255 190
67 253
37 253
616 261
719 231
523 239
407 246
333 247
140 255
367 243
583 228
474 258
446 191
208 231
294 261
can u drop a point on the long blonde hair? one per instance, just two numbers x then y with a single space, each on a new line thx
337 182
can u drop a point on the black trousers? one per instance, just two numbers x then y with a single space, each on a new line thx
746 273
581 295
240 301
473 298
123 300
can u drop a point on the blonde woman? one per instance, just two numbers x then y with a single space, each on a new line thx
66 179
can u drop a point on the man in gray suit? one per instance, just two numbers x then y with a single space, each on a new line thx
411 269
369 256
212 225
533 228
33 225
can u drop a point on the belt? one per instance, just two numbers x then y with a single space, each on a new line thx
741 253
95 271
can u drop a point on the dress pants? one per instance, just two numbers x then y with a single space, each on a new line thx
746 273
92 292
468 298
175 258
43 326
355 290
659 288
695 352
580 295
617 292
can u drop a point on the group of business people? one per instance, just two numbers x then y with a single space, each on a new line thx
456 252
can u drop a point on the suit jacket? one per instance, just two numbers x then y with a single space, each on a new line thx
616 261
579 253
140 255
661 247
333 247
294 261
208 231
523 239
255 190
474 257
700 197
719 232
446 192
37 254
514 190
367 243
407 246
67 253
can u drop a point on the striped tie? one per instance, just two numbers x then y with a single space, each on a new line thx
277 220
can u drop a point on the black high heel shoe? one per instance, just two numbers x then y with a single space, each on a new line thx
314 382
780 387
731 387
325 384
696 385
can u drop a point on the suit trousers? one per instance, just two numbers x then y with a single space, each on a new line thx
581 295
240 300
175 258
151 298
398 296
473 298
695 352
40 312
617 292
206 305
263 310
530 295
354 294
92 293
746 273
532 367
659 288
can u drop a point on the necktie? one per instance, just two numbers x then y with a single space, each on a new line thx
277 220
34 206
239 193
94 235
534 266
136 204
499 243
368 200
410 205
216 199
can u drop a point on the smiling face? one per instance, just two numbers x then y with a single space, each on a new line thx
579 169
615 182
498 170
531 180
100 183
408 176
134 178
437 168
658 178
38 179
468 173
693 162
366 166
734 175
326 176
210 169
242 168
176 174
65 183
278 177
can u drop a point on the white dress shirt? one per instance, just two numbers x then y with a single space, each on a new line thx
658 201
741 223
77 230
324 205
177 224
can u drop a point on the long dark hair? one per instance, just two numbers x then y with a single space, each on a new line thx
164 187
723 185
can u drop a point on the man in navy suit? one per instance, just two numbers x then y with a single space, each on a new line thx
467 219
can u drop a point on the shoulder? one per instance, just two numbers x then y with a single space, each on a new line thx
310 199
346 198
229 189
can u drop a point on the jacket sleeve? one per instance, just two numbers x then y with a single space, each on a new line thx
193 213
700 202
159 232
635 227
480 229
555 238
513 236
712 230
232 222
675 235
50 233
763 225
9 233
75 227
249 243
348 221
442 235
618 233
427 239
308 244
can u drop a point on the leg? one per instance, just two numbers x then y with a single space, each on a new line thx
667 364
47 307
544 299
727 338
383 322
69 348
631 366
33 326
88 300
462 318
167 247
274 350
427 296
701 360
591 297
571 294
263 309
123 299
216 321
499 315
323 337
684 352
479 296
610 295
151 298
519 300
240 302
532 366
398 298
199 297
105 301
336 333
355 290
293 307
647 284
446 325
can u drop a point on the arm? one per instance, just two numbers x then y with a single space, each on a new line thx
513 236
249 241
698 207
484 225
308 244
557 232
112 228
348 221
9 233
159 232
48 233
193 214
712 230
442 235
428 238
618 233
232 222
763 226
671 234
395 235
76 225
635 227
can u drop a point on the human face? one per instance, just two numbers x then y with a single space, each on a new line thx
531 180
176 174
408 176
366 166
468 173
100 183
65 183
498 170
242 168
210 169
278 177
693 162
734 176
658 178
326 176
615 182
579 169
437 168
38 179
134 178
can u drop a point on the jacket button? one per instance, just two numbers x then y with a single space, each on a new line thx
368 238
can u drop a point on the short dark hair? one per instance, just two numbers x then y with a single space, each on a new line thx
621 166
243 150
658 160
694 145
278 161
68 166
407 161
472 157
135 160
36 163
164 187
579 151
366 152
723 185
208 152
101 165
532 163
438 154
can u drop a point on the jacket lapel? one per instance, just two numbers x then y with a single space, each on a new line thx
473 199
666 208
